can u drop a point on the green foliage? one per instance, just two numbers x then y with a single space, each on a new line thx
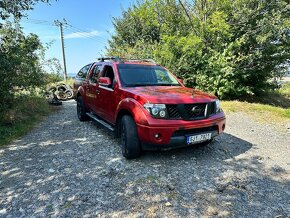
285 90
16 8
229 48
52 68
19 63
22 74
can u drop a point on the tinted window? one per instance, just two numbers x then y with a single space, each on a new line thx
84 71
144 75
95 74
109 72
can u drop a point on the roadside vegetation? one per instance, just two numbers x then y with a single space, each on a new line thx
236 50
22 117
274 107
285 90
232 49
24 73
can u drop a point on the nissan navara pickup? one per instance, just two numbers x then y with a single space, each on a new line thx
146 106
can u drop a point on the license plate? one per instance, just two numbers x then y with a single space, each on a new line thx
198 138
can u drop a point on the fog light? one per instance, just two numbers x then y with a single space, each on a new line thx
157 136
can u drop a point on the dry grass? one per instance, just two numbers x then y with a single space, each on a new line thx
273 107
260 112
25 114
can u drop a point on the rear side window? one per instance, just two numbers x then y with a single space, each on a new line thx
83 73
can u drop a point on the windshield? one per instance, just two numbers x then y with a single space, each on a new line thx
143 75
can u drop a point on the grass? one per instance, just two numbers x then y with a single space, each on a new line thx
273 107
285 90
261 112
19 120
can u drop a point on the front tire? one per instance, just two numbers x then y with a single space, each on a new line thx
81 110
129 138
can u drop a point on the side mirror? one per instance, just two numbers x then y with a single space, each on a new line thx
105 81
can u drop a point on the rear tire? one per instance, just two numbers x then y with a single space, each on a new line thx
81 110
129 138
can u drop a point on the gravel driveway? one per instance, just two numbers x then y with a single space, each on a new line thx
66 168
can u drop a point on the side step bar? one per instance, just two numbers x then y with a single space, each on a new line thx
95 118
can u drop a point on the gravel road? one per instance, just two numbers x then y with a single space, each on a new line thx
66 168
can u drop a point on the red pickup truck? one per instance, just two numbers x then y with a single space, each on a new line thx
146 106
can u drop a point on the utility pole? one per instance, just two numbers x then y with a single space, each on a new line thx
60 25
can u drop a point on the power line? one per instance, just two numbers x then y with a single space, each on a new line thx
81 32
40 22
86 36
78 29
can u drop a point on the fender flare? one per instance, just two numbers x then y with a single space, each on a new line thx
134 108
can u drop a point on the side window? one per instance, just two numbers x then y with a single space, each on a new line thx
109 72
95 74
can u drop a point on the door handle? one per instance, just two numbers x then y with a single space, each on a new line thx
97 91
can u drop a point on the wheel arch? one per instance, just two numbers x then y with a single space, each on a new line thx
133 108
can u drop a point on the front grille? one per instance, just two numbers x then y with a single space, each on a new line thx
195 110
190 111
172 111
211 108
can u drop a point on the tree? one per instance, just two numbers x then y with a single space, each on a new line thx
16 8
231 48
19 63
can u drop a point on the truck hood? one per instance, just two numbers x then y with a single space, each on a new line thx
169 94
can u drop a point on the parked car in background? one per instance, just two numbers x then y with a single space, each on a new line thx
146 106
80 77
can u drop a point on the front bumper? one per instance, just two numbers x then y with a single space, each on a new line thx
175 142
175 134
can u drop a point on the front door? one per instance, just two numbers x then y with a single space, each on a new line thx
92 89
108 97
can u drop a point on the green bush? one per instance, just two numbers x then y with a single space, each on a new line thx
229 48
20 67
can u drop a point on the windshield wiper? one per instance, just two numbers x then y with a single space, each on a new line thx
137 84
167 84
152 84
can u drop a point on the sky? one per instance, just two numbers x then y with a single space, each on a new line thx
86 35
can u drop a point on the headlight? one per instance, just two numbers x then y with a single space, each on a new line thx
218 106
156 110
